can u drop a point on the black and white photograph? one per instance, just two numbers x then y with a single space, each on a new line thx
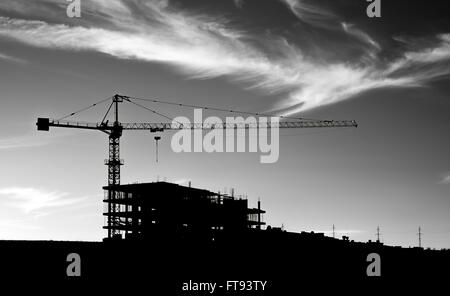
225 147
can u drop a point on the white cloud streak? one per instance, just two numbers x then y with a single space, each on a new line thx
203 47
309 13
12 59
429 55
350 29
18 224
26 141
239 3
445 179
32 199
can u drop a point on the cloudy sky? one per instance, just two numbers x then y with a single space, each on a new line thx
317 59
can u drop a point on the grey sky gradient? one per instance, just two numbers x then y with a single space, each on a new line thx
317 59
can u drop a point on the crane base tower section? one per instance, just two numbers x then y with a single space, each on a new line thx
171 212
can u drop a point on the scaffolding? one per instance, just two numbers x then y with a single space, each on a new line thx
171 211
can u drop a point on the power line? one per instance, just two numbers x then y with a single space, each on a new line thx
420 237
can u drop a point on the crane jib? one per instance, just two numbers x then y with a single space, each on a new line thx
43 124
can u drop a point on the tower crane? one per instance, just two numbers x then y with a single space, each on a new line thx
115 129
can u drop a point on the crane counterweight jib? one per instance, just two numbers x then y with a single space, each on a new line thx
43 124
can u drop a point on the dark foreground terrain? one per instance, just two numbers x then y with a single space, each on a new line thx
287 261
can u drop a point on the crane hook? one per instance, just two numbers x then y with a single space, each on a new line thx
157 138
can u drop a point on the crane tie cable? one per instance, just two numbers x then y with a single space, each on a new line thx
151 110
129 99
222 110
84 109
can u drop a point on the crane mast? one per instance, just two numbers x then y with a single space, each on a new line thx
116 128
114 162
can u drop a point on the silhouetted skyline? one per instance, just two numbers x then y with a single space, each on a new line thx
316 59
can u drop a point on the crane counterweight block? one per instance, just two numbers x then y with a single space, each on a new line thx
43 124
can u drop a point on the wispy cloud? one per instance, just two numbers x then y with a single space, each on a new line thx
352 30
32 199
445 179
204 47
239 3
309 13
25 141
18 224
427 56
12 59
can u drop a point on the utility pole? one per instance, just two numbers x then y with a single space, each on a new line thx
259 214
420 237
378 234
334 232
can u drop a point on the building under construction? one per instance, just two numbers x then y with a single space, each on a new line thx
173 212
